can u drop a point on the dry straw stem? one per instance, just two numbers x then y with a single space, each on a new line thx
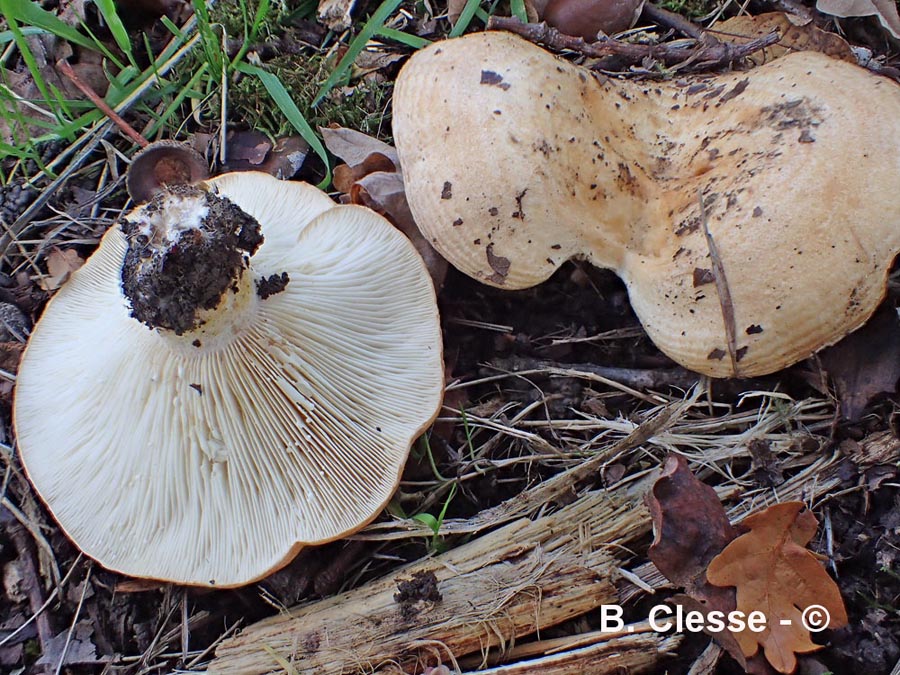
613 655
514 581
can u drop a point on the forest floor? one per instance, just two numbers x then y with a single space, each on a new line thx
539 381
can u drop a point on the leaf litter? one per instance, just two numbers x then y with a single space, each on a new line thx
766 569
371 176
884 10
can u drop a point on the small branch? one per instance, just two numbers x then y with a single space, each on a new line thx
635 378
95 98
664 17
705 54
641 379
32 586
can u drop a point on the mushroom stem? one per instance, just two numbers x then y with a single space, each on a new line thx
185 267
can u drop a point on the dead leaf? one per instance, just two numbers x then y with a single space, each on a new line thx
335 14
866 362
885 10
286 158
588 18
14 324
774 573
14 581
370 61
10 355
71 649
248 148
690 529
371 177
794 38
353 147
384 192
253 151
454 10
345 175
60 264
689 523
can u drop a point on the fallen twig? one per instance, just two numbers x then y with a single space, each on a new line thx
723 290
102 105
482 596
642 379
668 19
705 54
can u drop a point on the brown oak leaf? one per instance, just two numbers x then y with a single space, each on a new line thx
774 573
691 528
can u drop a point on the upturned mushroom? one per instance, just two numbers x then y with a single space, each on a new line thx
238 370
754 216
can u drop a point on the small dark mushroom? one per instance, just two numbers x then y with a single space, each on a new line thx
588 18
163 164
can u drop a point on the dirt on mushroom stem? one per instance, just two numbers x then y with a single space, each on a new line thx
187 248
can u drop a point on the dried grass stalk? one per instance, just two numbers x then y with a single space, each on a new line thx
621 654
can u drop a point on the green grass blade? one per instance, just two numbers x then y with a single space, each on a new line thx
261 10
173 29
373 25
30 13
210 41
102 48
25 51
465 18
428 521
447 501
252 31
116 27
6 36
183 93
289 109
413 41
12 151
517 7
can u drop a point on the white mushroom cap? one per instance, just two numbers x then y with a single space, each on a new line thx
213 464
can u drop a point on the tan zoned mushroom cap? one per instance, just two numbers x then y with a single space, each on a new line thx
210 465
754 215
